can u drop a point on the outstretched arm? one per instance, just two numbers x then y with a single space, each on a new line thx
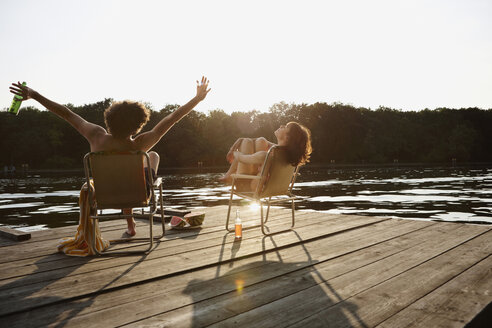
148 139
86 129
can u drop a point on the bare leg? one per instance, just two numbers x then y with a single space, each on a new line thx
260 145
130 222
246 147
232 169
226 178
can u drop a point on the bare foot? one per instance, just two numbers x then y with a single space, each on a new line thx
131 231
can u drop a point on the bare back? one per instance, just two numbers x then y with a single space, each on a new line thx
107 142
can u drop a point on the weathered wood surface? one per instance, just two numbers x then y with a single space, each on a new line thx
13 234
332 270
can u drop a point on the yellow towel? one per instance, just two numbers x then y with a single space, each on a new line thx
80 245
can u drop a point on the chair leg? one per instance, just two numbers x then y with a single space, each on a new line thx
95 222
268 209
161 205
229 209
263 225
149 239
151 232
161 202
293 213
261 218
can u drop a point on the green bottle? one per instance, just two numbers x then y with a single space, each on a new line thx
16 103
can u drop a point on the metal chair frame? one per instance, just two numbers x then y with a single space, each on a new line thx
256 195
95 216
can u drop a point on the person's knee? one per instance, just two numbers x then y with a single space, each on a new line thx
261 144
247 146
153 155
154 160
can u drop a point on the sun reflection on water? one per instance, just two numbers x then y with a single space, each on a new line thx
450 194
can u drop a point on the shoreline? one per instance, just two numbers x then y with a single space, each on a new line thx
219 169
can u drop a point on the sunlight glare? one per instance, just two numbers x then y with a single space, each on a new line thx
239 285
254 206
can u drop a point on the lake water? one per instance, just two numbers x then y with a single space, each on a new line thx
41 201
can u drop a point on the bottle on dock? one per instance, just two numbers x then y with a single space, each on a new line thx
239 226
16 103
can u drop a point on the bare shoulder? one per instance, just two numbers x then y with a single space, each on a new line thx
104 142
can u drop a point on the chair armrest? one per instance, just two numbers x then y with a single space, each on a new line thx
245 176
157 182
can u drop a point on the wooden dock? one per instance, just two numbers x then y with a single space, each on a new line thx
331 271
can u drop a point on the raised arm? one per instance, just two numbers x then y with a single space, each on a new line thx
86 129
148 139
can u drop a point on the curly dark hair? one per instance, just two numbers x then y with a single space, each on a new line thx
126 118
298 144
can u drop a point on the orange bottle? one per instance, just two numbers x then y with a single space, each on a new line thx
239 226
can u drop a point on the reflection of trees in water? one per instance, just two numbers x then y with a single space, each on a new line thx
54 196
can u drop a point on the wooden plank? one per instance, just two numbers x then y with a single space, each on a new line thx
13 234
6 242
60 232
214 217
33 252
267 303
202 286
171 248
453 304
14 299
171 245
105 225
276 268
166 294
374 305
180 213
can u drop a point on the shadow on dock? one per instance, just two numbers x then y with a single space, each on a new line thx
263 301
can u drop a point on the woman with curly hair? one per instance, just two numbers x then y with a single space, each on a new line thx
124 120
247 155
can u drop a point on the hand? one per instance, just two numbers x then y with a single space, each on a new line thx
21 90
201 88
230 156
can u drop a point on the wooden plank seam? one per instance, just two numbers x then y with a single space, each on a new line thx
176 273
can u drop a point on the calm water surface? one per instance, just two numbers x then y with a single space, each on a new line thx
35 202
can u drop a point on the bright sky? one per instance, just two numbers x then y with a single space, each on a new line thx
409 55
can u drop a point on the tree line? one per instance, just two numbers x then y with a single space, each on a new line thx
341 133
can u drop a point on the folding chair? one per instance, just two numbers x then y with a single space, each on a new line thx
120 181
275 181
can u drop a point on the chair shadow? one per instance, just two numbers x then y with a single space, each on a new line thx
31 304
261 285
53 311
